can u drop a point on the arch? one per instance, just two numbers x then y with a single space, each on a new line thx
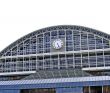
60 27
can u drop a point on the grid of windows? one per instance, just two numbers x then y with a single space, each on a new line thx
74 41
37 52
56 61
96 89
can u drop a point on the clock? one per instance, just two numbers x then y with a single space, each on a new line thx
57 44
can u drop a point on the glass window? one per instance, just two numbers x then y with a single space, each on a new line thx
106 89
86 90
47 37
99 44
105 43
39 40
68 32
100 61
92 59
61 32
85 62
77 59
69 37
54 33
41 35
76 40
69 43
96 89
33 40
91 41
69 60
69 48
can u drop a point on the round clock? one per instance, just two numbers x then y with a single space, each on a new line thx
57 44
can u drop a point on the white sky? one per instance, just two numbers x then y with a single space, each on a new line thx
20 17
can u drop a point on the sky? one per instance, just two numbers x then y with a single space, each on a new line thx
20 17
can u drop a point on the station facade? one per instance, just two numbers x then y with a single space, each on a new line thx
57 59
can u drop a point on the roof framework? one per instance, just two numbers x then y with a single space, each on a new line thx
67 73
60 27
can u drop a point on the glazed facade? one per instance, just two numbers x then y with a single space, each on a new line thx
81 49
55 53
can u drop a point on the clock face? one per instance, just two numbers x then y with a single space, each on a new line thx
57 44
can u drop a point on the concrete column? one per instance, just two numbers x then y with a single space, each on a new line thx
102 89
89 89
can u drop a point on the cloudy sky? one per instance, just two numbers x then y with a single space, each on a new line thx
20 17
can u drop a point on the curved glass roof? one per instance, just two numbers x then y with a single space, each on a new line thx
60 27
82 48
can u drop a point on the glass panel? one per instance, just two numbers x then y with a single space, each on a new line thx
99 44
96 89
100 61
91 41
54 35
61 34
77 59
84 45
106 43
106 89
76 40
92 59
85 62
86 90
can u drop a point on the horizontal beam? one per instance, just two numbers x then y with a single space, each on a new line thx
96 68
17 73
54 53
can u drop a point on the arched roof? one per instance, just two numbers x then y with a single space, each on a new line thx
59 27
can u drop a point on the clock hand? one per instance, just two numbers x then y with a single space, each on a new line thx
58 44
